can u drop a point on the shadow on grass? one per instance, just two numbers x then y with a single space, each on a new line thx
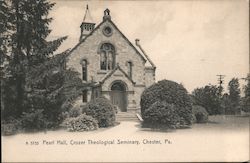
60 128
140 128
210 122
106 128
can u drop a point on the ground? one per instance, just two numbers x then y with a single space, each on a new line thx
224 138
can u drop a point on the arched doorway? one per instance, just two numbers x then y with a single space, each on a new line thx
118 95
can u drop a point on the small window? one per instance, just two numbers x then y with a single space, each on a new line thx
85 96
130 69
84 70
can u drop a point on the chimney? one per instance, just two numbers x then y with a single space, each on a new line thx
106 14
137 42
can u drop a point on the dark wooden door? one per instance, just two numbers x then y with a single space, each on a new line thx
119 99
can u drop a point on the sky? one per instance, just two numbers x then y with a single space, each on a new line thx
190 41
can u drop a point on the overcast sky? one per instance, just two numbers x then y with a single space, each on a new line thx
190 41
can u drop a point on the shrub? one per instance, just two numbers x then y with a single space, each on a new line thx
102 110
10 127
81 123
74 112
161 115
169 92
34 120
200 114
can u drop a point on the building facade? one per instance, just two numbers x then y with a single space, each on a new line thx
119 70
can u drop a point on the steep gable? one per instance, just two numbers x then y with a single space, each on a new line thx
117 68
116 28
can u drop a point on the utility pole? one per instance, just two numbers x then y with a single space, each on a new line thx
220 82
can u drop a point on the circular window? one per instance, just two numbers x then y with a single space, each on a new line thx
107 31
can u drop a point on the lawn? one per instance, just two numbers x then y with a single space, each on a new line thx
223 138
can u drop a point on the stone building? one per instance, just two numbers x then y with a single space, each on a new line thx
119 70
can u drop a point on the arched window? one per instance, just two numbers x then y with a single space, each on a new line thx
84 69
107 54
130 64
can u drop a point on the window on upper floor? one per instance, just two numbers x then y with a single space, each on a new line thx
130 65
84 64
107 56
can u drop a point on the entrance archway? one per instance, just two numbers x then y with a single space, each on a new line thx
118 95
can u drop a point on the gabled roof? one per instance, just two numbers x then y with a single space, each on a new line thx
144 53
97 27
113 71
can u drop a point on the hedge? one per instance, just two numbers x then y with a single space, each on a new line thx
102 110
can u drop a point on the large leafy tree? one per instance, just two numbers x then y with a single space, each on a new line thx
234 96
209 98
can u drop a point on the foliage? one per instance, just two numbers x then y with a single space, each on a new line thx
54 87
169 92
80 123
102 110
245 103
161 115
234 95
10 126
200 114
4 28
73 112
23 47
33 120
227 104
209 98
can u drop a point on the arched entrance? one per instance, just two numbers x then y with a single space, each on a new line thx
118 95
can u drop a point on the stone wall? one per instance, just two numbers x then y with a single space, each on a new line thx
89 50
149 76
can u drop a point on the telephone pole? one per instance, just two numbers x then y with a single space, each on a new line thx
220 82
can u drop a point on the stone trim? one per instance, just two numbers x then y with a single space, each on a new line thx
117 67
140 85
130 92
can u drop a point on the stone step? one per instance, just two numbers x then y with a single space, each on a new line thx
126 116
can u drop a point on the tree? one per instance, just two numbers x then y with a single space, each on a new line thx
52 88
5 27
26 30
209 98
246 99
234 95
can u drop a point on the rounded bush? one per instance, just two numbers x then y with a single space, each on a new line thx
200 114
102 110
161 115
74 112
169 92
81 123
